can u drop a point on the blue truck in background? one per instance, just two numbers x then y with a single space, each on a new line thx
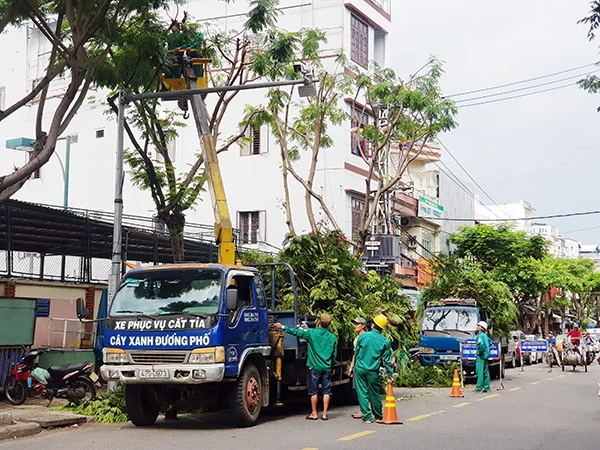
199 336
445 326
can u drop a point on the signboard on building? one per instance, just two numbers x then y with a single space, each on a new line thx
428 208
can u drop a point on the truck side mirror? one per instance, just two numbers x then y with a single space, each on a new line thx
232 298
82 311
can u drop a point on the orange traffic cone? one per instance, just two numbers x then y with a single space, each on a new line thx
389 412
456 392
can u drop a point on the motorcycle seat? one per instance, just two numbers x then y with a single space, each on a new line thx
60 371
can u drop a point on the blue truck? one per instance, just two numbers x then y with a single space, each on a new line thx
445 326
191 336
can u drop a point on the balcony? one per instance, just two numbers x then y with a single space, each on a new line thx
426 154
404 204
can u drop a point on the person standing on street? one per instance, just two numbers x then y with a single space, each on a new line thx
372 351
322 352
360 326
552 350
482 368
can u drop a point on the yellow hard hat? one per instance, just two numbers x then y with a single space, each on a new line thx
381 321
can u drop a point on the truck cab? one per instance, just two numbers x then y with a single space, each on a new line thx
176 332
444 327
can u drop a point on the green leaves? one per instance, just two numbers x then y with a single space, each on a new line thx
463 278
330 279
263 15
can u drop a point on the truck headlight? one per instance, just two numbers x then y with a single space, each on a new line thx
427 350
207 355
115 356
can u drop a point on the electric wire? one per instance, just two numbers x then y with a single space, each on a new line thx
580 229
456 180
527 87
518 96
473 180
516 219
475 91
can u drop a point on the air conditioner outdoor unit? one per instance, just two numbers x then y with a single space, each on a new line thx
412 242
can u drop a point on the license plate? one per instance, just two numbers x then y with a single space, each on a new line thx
449 358
93 377
154 373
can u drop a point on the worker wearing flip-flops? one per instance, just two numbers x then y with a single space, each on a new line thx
372 351
322 351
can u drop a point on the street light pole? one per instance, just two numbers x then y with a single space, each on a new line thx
66 174
115 272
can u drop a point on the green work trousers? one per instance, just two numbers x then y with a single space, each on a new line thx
482 369
368 391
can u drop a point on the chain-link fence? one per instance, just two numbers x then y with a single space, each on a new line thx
75 245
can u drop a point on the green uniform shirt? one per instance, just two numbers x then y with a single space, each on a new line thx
373 349
322 347
483 345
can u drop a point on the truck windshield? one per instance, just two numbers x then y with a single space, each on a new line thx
169 292
447 320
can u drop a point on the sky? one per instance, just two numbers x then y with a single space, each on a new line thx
541 148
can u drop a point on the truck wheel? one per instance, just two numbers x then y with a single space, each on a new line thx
246 398
15 391
142 405
348 394
512 362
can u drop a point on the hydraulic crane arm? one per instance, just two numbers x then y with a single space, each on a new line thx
223 226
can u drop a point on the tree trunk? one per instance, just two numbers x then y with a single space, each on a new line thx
287 203
175 223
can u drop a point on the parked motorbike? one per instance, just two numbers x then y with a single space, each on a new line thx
74 382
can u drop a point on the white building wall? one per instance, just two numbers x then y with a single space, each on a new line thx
506 213
252 183
444 190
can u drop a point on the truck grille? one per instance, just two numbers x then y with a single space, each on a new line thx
158 357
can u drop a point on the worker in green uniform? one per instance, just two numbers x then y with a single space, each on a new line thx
322 352
482 368
372 351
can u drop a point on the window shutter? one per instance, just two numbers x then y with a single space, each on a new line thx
255 141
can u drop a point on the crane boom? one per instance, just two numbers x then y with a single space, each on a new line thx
223 226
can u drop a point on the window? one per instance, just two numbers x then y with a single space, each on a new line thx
358 144
260 291
428 243
99 134
252 226
257 144
359 41
357 206
37 173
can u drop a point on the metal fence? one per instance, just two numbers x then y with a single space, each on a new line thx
9 357
75 245
71 333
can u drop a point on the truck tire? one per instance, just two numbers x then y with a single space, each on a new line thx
246 397
142 405
348 394
513 361
498 369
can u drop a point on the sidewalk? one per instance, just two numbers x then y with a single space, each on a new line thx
33 416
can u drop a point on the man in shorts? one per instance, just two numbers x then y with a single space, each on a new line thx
322 352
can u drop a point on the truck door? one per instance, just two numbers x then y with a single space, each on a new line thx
247 324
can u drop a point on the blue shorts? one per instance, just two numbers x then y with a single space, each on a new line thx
315 378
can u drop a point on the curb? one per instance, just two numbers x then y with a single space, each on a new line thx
19 430
26 421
